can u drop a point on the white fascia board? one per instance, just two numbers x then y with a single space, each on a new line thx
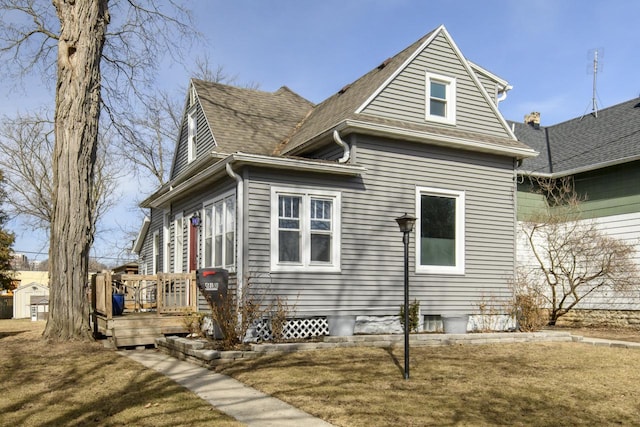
240 159
137 244
438 139
488 73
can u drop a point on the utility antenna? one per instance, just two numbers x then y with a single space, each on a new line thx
597 55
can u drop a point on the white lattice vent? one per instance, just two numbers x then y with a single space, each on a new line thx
294 328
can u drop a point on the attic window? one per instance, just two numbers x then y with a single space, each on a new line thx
192 129
440 98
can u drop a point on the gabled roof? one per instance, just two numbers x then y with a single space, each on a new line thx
348 103
584 143
249 120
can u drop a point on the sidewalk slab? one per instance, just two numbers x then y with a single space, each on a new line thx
247 405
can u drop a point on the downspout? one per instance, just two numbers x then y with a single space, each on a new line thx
240 231
347 151
504 91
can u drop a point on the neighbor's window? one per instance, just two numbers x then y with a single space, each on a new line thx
305 230
220 232
441 98
440 231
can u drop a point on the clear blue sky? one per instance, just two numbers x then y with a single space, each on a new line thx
543 48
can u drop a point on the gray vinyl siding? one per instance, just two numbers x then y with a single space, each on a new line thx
371 276
188 206
204 141
404 98
489 85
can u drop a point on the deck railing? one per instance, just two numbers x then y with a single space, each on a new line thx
163 292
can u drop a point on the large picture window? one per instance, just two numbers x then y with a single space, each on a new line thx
440 231
305 231
219 232
440 98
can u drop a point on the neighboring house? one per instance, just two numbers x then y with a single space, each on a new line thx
22 297
300 199
601 151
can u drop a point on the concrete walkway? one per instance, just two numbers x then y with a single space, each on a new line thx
247 405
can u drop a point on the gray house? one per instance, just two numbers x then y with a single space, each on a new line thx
300 199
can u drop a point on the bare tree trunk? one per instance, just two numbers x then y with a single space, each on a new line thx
82 37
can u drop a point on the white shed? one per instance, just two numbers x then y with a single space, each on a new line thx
22 298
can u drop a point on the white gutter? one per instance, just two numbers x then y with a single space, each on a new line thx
504 91
347 151
240 231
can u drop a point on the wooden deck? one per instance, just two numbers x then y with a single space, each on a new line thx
154 306
135 329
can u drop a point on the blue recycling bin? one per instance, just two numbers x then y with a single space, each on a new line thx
117 304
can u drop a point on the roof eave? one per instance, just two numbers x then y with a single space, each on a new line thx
583 169
244 159
351 126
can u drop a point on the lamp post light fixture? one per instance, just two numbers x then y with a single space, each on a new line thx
406 223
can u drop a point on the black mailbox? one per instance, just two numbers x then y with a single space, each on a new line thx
213 282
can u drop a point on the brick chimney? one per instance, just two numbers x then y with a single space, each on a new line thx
533 119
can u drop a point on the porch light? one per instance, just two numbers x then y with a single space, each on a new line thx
195 219
406 223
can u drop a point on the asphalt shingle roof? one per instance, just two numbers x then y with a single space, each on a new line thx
249 120
583 142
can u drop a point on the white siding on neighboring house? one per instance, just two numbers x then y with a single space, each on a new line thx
625 227
22 298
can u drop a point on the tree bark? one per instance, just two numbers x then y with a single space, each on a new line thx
82 37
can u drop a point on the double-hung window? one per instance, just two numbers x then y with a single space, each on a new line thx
220 232
305 231
440 98
440 231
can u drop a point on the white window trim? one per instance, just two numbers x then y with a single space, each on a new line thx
459 196
178 252
305 219
155 251
192 131
450 82
166 242
211 202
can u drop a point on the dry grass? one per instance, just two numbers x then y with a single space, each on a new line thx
502 384
74 383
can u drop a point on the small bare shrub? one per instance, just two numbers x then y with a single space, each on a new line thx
280 311
234 316
193 322
414 316
529 309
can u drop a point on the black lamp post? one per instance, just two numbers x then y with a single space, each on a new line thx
406 223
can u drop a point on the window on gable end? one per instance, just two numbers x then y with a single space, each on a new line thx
440 98
192 125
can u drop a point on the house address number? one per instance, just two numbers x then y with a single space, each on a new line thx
211 286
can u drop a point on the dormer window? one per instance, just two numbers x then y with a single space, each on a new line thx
441 98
